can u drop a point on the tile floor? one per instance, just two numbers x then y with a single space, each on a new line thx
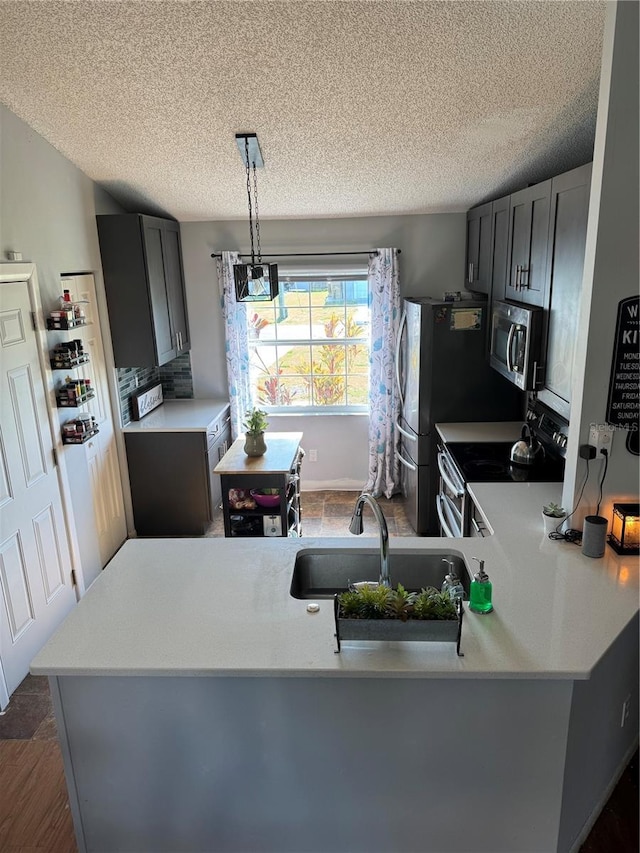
328 513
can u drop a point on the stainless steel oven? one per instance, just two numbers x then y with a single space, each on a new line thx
452 498
516 344
462 463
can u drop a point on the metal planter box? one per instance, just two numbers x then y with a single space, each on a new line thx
412 630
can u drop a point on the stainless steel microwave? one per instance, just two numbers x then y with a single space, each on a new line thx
516 344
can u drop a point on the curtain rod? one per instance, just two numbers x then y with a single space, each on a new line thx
306 254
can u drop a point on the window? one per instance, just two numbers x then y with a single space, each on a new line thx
309 348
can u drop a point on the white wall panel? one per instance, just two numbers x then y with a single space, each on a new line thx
47 542
15 586
26 418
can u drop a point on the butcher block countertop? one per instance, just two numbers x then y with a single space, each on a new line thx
282 448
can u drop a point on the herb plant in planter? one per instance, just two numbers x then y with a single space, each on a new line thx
552 516
255 424
375 612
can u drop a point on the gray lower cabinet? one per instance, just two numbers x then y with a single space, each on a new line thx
565 263
477 526
219 442
174 491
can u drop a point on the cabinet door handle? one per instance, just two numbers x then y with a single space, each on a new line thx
524 283
479 530
470 272
516 285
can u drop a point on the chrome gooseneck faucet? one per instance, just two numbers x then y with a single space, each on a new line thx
356 527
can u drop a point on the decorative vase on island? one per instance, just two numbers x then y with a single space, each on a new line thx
254 444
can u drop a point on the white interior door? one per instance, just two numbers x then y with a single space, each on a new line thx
36 588
101 451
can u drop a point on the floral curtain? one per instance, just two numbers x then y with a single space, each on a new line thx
384 410
236 348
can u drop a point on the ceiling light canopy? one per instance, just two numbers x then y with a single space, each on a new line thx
254 282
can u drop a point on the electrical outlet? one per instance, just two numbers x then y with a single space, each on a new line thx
626 708
601 437
313 456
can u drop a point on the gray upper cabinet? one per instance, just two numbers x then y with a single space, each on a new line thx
144 284
565 263
478 262
499 246
527 252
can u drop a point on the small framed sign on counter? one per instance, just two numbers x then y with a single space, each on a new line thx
623 405
145 401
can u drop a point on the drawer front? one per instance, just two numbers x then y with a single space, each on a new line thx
215 452
216 429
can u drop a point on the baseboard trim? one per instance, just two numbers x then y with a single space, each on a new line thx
597 809
332 485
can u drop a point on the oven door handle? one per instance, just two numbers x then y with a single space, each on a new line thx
405 433
442 517
403 323
448 476
404 462
452 512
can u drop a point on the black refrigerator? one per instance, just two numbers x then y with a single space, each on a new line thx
443 375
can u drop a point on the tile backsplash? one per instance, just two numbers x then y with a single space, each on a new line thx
176 379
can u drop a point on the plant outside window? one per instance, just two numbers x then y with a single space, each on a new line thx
309 348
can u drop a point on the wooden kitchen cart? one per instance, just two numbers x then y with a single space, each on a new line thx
278 468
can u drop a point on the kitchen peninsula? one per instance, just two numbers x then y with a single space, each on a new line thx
201 707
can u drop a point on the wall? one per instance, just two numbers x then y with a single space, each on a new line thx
175 378
47 212
611 263
432 261
596 714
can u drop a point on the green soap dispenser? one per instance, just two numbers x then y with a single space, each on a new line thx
481 588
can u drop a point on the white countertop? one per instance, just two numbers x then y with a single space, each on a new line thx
490 431
222 607
180 416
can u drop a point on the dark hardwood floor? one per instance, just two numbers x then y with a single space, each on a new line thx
34 807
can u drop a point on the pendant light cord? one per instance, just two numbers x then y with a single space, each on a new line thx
255 204
246 151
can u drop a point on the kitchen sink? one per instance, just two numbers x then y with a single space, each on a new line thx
322 572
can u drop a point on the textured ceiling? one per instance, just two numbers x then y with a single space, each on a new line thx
361 108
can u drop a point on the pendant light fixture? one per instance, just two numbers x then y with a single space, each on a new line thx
254 282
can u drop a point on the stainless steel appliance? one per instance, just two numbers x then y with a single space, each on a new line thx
443 375
461 463
516 344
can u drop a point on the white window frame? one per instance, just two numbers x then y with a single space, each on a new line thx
314 276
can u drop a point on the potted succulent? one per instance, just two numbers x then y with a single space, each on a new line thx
255 424
552 515
371 611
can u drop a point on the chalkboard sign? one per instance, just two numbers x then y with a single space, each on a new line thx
623 406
